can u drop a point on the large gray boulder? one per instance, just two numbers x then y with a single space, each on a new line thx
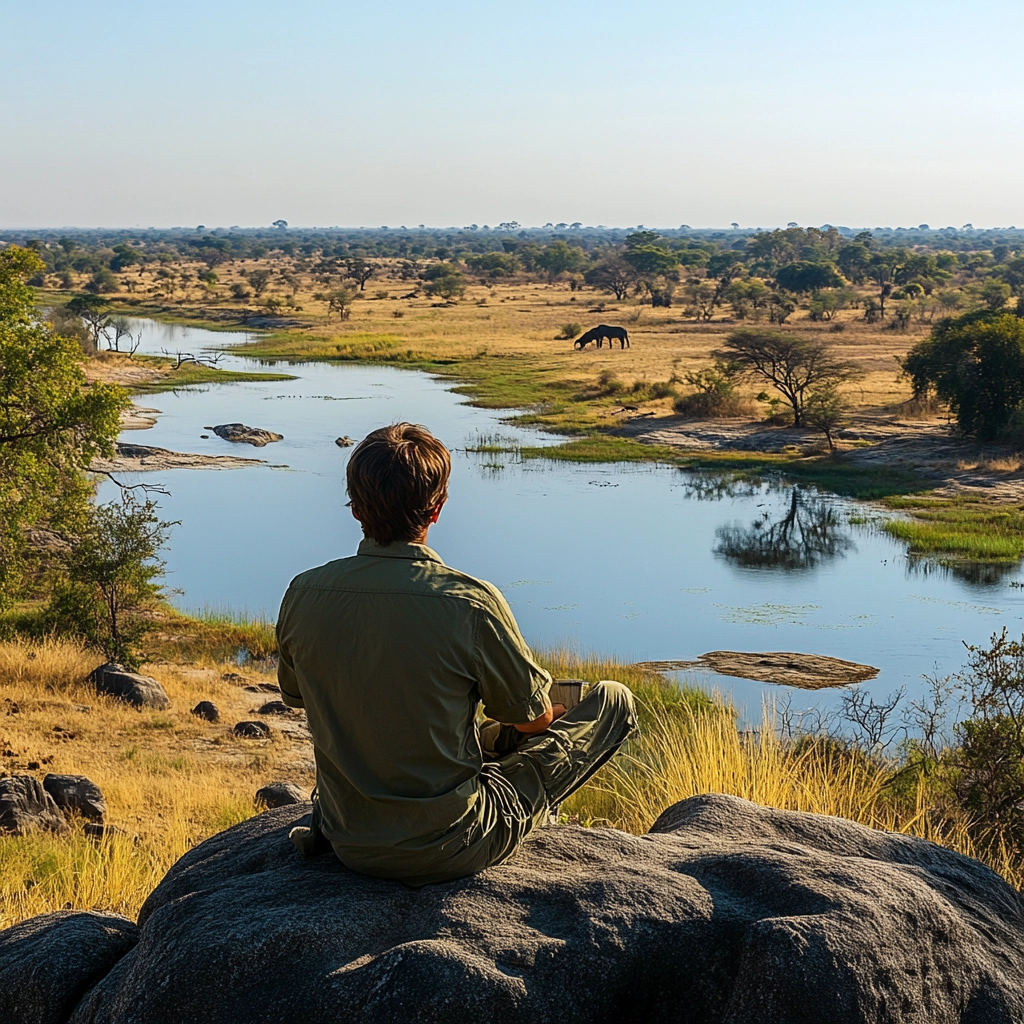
26 806
76 794
727 913
140 691
48 963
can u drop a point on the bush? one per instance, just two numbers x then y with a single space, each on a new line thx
109 578
975 363
715 395
569 331
239 291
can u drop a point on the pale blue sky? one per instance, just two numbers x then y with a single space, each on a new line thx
330 113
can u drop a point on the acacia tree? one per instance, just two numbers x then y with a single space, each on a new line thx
258 280
360 271
92 310
612 274
792 365
52 422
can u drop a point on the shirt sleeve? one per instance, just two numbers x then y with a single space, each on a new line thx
514 688
286 678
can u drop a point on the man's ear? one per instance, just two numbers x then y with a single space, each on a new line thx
436 513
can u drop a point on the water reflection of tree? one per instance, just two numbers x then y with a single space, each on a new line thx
808 534
978 574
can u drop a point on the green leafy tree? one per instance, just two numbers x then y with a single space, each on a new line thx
651 261
52 422
110 577
826 409
975 363
339 300
803 276
444 281
995 294
612 274
360 271
258 280
560 258
792 365
93 311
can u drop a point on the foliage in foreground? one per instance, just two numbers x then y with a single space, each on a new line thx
52 424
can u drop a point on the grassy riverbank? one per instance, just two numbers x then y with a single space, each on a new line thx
172 780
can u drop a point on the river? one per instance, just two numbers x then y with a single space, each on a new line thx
635 562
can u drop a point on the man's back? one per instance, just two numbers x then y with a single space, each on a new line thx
390 652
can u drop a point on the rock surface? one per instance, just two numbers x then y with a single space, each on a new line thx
115 680
206 710
788 668
252 730
25 806
76 794
344 442
141 458
48 963
241 434
277 707
726 913
280 794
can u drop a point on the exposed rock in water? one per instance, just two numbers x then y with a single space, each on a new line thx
140 691
241 434
140 458
252 730
25 806
726 913
206 710
344 442
48 963
280 794
76 794
807 671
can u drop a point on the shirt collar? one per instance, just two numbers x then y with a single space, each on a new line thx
398 549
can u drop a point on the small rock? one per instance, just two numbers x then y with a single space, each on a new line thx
140 691
97 831
25 805
205 437
280 794
233 677
252 730
77 794
263 688
49 962
241 434
207 710
344 441
276 707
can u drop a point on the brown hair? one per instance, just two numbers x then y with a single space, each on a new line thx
397 476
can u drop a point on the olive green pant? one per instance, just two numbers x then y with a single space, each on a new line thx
523 777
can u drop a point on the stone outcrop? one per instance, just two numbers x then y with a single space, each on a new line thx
280 794
141 458
786 668
344 441
26 806
48 963
726 913
140 691
277 707
252 730
241 434
206 710
76 794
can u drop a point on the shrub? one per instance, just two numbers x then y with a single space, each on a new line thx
715 395
975 363
569 331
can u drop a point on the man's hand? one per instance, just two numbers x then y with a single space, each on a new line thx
540 724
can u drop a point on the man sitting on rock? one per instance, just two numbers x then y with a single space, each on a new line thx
392 653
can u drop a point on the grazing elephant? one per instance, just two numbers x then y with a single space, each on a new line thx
600 333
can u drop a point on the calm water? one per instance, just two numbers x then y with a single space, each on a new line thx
642 563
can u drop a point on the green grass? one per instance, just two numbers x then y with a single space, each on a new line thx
964 528
190 375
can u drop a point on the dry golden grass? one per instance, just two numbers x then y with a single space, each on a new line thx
170 780
520 319
683 750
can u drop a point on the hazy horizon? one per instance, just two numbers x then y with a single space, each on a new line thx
659 114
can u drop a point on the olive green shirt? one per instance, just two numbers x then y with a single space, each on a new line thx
391 653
